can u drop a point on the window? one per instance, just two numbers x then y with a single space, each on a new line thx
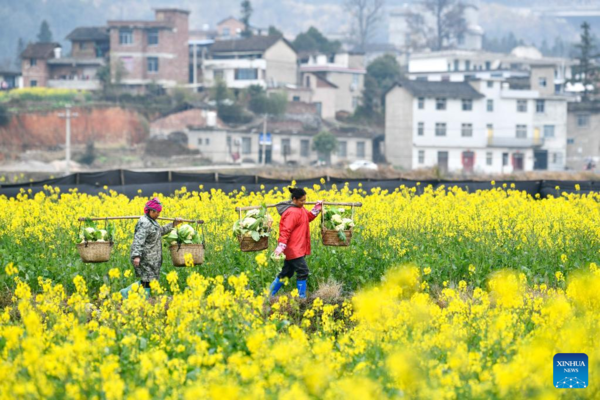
461 39
548 131
82 45
342 149
32 62
467 65
199 141
490 84
583 120
467 105
125 36
152 37
521 105
504 159
540 106
557 158
296 98
421 103
319 106
490 129
421 156
152 64
467 130
286 147
355 102
355 79
33 83
207 141
571 141
226 31
421 129
521 131
218 74
488 65
440 104
304 147
542 81
440 129
489 158
490 105
360 149
456 65
308 81
246 74
246 145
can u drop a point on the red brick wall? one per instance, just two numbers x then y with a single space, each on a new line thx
88 52
107 126
39 72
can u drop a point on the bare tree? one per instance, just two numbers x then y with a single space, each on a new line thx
441 23
366 14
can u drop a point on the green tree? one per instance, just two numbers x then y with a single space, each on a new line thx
324 144
586 70
220 93
4 115
274 31
382 74
20 49
261 103
246 14
314 41
45 34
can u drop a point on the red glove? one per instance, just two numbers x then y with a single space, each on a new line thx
317 208
280 248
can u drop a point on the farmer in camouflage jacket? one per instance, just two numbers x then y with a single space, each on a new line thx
146 249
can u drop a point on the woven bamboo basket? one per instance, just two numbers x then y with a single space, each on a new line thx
178 253
249 244
94 252
330 237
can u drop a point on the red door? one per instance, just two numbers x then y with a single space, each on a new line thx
518 161
468 161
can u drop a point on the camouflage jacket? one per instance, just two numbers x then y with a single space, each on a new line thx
148 246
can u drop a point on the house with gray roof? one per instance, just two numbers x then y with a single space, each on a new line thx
268 61
34 63
477 126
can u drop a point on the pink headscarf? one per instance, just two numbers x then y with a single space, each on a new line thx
153 204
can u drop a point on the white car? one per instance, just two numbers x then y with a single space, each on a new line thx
363 164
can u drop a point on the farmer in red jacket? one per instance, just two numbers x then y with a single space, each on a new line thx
294 239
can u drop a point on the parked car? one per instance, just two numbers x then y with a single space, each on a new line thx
363 164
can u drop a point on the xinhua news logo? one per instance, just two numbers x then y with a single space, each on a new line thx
571 371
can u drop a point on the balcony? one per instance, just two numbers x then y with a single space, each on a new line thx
76 84
513 142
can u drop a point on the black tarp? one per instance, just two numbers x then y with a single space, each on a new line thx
165 182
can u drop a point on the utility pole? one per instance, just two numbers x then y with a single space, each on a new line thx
67 116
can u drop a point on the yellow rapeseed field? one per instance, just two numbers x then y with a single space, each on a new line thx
447 294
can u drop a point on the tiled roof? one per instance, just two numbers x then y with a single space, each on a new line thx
39 50
429 89
89 33
255 43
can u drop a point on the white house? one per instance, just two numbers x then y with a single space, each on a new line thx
268 61
343 71
477 126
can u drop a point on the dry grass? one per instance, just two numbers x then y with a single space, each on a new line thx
329 292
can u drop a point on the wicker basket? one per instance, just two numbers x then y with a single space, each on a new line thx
330 237
178 253
249 244
94 252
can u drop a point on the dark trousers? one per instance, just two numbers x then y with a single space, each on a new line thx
297 265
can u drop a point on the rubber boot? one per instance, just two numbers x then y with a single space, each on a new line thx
275 286
125 292
301 285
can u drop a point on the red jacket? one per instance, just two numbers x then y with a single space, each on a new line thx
294 232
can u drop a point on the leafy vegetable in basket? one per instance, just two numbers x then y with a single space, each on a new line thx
255 224
90 233
338 219
184 234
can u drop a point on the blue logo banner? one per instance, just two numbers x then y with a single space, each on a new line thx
571 371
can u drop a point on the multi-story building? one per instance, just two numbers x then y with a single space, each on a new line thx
268 61
459 65
152 51
345 71
583 141
477 126
35 63
231 28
